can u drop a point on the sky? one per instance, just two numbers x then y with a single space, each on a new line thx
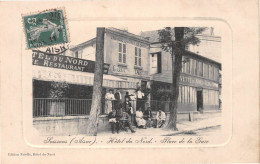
84 30
81 31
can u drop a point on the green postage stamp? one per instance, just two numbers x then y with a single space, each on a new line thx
45 28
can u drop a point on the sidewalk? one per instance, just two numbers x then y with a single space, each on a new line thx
183 127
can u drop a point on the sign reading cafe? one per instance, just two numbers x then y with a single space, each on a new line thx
65 62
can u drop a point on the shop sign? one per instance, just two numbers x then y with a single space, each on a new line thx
198 82
141 72
65 62
118 69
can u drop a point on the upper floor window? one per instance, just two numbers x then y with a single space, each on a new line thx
200 68
122 53
211 72
187 66
216 73
205 70
78 54
138 57
156 63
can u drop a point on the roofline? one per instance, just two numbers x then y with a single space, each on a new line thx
83 44
189 53
113 30
128 34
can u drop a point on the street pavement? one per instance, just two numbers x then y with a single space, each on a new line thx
199 127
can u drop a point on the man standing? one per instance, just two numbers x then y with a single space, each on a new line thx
113 120
127 107
140 100
118 98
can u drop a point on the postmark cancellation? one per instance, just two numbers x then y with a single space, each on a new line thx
45 28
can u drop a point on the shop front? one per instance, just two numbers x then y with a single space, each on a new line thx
63 86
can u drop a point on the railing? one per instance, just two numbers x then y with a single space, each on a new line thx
54 107
60 107
163 105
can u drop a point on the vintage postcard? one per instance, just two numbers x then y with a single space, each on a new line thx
157 84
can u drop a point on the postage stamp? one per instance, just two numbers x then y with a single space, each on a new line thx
45 28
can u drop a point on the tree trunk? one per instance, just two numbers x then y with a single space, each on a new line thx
96 105
176 72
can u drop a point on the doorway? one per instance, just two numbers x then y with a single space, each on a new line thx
199 100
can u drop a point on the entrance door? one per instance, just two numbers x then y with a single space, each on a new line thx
199 101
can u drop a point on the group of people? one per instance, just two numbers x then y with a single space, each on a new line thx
121 119
114 100
146 120
121 115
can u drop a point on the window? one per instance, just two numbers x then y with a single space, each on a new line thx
200 69
78 54
159 63
205 70
156 63
122 53
211 74
187 66
195 67
216 74
183 69
192 66
138 56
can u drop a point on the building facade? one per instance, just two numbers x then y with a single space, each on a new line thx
63 84
131 63
128 57
199 87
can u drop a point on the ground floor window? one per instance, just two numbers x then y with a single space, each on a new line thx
190 98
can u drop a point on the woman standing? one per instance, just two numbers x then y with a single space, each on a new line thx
109 98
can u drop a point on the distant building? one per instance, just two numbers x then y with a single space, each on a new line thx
199 82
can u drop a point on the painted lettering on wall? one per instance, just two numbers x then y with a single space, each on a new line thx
198 82
118 69
140 72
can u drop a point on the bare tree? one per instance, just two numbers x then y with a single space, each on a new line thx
174 40
96 105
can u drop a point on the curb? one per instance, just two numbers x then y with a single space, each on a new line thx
185 131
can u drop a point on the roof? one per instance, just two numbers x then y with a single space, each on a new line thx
128 34
152 36
154 39
192 54
112 30
84 44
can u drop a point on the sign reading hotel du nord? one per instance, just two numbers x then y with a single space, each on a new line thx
65 62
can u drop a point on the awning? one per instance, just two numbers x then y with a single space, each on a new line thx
76 77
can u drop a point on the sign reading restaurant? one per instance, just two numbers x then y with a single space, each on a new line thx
65 62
